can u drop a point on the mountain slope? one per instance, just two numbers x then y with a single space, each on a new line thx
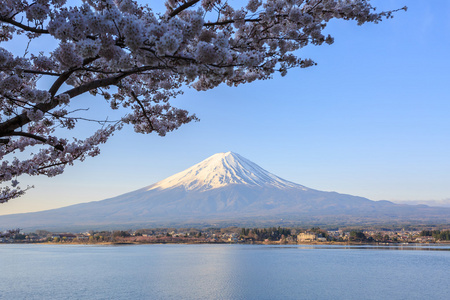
228 188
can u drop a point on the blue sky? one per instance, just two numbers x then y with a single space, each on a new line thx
371 119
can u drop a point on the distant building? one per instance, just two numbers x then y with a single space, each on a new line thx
233 238
306 237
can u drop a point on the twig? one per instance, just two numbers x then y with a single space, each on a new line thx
143 110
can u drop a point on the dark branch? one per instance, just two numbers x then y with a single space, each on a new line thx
22 26
167 56
41 72
60 81
182 7
229 22
60 163
108 81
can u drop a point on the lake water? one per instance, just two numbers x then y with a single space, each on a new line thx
223 272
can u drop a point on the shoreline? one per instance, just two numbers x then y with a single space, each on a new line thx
231 243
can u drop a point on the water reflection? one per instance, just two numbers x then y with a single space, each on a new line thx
193 272
417 247
224 272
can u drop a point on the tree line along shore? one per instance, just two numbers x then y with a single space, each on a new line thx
269 235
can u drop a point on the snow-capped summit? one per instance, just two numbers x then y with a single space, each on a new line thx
220 170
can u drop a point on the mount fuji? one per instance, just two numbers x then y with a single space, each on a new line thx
224 189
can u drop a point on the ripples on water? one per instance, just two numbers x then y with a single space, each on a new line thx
224 272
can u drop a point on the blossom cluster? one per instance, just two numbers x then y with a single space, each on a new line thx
144 59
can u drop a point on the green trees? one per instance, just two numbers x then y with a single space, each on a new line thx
357 236
121 234
271 233
443 235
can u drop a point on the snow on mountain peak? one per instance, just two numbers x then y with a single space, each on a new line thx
220 170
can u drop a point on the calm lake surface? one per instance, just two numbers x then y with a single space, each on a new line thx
223 272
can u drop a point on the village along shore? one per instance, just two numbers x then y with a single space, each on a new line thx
268 236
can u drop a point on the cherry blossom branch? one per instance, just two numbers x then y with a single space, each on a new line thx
8 194
33 136
22 26
22 119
